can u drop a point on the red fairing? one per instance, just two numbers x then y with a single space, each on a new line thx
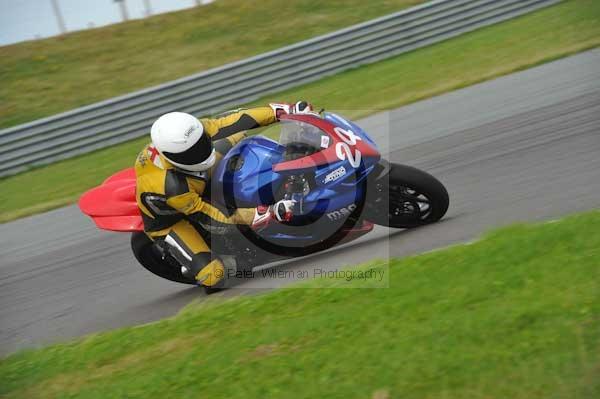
112 205
326 156
125 174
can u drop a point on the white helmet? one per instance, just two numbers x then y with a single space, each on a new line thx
180 138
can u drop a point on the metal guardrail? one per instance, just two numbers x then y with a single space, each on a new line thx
126 117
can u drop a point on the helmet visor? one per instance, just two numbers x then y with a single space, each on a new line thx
197 153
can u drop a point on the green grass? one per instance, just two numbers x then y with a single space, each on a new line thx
554 32
516 314
514 45
45 77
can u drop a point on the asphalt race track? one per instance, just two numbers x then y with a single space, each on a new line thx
521 147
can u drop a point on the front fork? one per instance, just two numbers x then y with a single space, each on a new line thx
377 190
380 172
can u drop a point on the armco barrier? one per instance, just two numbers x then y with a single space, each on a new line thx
123 118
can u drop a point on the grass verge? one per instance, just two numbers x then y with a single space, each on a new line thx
45 77
532 39
516 314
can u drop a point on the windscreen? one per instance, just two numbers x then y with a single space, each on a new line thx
301 139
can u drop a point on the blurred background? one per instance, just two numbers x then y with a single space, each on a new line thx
498 99
35 19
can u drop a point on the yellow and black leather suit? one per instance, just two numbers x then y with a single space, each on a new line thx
169 198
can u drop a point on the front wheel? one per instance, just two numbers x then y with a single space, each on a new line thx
406 197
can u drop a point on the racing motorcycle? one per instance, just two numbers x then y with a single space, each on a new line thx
326 163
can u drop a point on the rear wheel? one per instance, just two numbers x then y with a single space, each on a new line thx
406 197
143 251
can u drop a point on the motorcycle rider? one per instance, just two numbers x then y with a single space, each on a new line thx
172 173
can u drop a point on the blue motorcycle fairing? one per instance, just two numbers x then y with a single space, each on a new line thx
246 173
345 123
248 179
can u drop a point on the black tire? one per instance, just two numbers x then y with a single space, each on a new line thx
414 198
147 257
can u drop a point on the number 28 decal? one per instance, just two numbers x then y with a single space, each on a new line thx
343 150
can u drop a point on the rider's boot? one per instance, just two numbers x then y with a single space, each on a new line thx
204 269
